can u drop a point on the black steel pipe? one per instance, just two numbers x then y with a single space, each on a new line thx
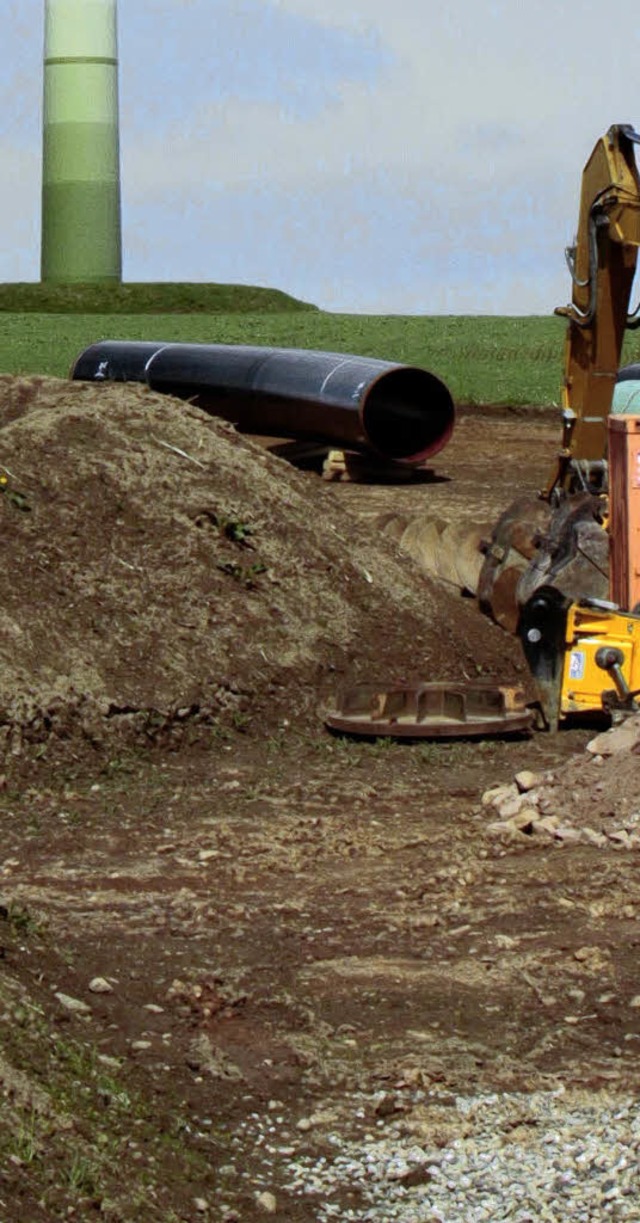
403 413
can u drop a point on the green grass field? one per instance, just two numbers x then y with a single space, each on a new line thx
496 360
482 359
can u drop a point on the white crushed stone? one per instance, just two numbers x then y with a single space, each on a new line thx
545 1157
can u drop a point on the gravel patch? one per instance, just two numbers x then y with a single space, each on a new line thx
526 1158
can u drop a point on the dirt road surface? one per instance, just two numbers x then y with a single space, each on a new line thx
230 941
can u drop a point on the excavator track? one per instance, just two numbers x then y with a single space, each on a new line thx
445 709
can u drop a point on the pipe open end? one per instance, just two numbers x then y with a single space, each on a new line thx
408 415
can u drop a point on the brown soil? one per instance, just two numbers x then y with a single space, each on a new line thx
277 925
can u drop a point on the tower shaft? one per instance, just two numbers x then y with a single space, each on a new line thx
81 229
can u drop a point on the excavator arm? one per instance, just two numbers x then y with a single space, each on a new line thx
545 573
602 263
583 651
558 539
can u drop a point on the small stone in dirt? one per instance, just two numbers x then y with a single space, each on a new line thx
523 820
305 1124
75 1006
203 1056
512 806
113 1062
618 739
154 1008
526 780
576 995
100 985
547 824
595 959
139 1046
567 834
635 1002
507 831
201 1205
498 794
418 1174
620 837
591 837
387 1105
267 1202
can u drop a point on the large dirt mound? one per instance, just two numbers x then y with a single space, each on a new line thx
164 577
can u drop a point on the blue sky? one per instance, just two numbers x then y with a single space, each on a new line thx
387 157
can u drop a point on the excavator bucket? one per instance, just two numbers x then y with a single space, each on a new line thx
508 555
533 545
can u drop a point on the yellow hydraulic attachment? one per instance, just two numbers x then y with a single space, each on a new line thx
585 657
600 641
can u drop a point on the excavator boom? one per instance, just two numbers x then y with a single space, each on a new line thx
549 571
559 538
602 264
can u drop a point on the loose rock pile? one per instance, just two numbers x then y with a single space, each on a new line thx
593 800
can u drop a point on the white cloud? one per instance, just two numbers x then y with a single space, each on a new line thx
449 181
475 94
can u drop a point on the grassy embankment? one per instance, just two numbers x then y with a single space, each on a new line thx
482 359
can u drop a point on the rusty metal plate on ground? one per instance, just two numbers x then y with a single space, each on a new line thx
445 709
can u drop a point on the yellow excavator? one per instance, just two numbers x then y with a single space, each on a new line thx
557 569
549 572
583 651
558 538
